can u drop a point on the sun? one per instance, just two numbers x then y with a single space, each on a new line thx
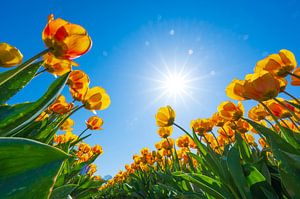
174 84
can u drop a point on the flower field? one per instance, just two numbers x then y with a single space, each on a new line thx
232 154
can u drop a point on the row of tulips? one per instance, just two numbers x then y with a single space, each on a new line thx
40 156
227 155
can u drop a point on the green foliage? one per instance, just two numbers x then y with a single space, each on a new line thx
28 168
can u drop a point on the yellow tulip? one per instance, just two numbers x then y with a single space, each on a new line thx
9 55
280 64
67 125
96 98
165 116
165 132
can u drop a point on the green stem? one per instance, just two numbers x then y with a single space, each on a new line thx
79 136
40 72
183 130
294 98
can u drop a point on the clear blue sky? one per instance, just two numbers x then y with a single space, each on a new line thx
134 41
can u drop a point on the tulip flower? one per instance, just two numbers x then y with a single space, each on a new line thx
96 98
257 113
78 80
201 126
94 123
67 125
183 141
57 66
85 148
165 132
261 86
97 149
66 40
60 106
9 55
165 116
280 64
230 111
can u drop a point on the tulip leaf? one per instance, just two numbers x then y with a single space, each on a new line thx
63 191
236 171
10 87
288 158
209 185
245 151
273 138
28 168
13 118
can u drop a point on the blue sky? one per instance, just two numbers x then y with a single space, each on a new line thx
135 42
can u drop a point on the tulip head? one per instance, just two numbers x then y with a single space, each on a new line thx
261 86
165 116
96 98
280 64
231 112
165 132
9 55
66 40
94 123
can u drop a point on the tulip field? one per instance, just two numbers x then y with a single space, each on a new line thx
232 154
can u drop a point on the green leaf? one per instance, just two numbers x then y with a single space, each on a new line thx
13 118
245 151
288 159
236 171
211 158
10 87
209 185
260 188
273 138
28 168
63 191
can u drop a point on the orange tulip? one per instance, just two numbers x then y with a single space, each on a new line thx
78 80
60 106
9 55
261 86
167 143
230 111
85 148
257 113
96 98
278 110
183 141
295 80
57 66
201 126
235 90
217 120
280 64
242 126
97 149
165 132
94 123
66 40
